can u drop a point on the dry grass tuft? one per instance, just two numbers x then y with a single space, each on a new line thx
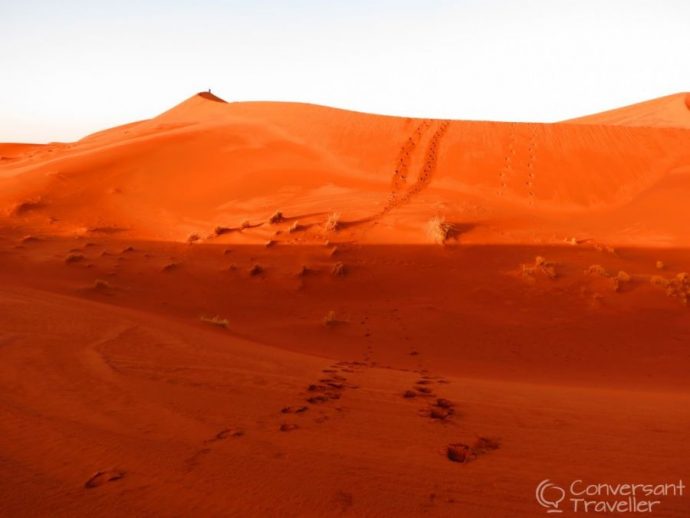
295 227
100 284
596 269
540 267
331 319
677 287
440 230
620 280
333 223
338 270
216 321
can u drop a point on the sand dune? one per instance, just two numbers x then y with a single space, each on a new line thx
314 159
282 309
671 111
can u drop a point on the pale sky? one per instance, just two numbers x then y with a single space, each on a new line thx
72 67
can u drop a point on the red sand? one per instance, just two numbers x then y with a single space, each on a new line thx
171 346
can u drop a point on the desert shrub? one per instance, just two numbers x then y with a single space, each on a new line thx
333 223
256 270
277 217
659 282
330 319
620 279
440 230
596 269
219 230
338 269
215 321
295 227
100 284
677 287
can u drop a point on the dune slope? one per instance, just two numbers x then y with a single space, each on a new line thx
244 161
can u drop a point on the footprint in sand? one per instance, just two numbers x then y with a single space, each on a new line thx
225 433
325 390
463 453
103 477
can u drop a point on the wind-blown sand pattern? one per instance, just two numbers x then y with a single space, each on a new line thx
237 309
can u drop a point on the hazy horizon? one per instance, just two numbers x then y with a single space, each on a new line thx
80 67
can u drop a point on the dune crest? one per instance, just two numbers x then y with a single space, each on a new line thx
671 111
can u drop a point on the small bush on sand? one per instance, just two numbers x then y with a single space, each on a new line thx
295 227
216 321
219 231
333 223
440 230
256 270
338 270
330 319
596 269
621 279
659 282
276 218
540 266
677 287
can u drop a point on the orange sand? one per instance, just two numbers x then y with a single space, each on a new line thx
171 346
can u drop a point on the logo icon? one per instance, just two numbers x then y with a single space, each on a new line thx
549 496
